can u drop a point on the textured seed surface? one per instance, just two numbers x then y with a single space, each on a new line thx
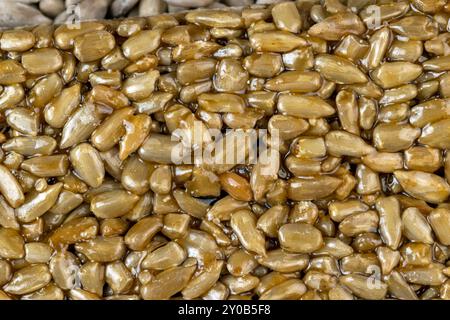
99 199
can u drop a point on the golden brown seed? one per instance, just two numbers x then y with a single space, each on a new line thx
215 18
300 238
221 102
388 74
165 257
59 109
80 125
23 120
423 159
168 283
64 267
291 289
47 166
338 70
230 76
295 81
440 222
113 204
203 282
175 225
341 143
140 86
138 236
111 130
394 137
363 287
140 44
424 186
12 244
92 277
312 188
102 249
236 186
10 188
88 164
38 203
390 221
17 40
304 106
386 162
28 279
118 277
243 223
67 201
416 27
338 25
83 228
359 222
436 134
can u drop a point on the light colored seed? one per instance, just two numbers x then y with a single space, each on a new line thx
338 25
221 102
165 257
295 81
38 203
416 27
291 289
23 120
140 44
339 210
140 86
360 286
201 246
12 72
203 282
390 221
335 248
424 186
215 18
416 227
195 50
12 244
38 252
28 279
286 17
111 130
435 134
388 259
338 70
347 108
440 222
409 51
341 143
49 292
64 269
118 277
423 159
230 76
313 188
300 238
282 261
304 106
379 44
11 96
140 234
386 162
359 222
189 204
430 275
17 40
243 223
387 75
88 164
80 125
394 137
168 283
113 204
238 285
80 294
42 61
92 277
102 249
272 220
416 254
59 109
398 286
10 188
7 215
47 166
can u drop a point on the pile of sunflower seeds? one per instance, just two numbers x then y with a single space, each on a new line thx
350 198
17 13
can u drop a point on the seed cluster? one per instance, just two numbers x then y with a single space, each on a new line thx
93 207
